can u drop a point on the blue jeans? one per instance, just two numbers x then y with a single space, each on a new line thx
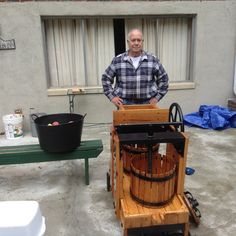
135 102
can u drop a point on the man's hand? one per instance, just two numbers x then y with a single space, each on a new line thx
117 101
153 101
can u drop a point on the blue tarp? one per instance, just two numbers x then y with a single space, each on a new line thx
211 117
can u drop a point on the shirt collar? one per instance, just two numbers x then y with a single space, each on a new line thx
143 56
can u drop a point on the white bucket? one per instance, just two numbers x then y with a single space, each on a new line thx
13 126
21 218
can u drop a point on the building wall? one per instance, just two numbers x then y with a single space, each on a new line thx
23 71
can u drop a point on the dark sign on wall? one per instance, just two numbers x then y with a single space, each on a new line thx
7 44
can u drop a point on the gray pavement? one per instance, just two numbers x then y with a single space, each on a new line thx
73 209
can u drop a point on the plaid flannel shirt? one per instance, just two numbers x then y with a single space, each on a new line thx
148 80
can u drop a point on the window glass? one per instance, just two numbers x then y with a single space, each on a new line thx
79 50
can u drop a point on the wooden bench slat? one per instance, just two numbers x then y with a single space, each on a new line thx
88 144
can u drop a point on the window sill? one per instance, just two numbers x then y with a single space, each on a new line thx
98 90
181 85
73 90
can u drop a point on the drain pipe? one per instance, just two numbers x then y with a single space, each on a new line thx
232 101
235 74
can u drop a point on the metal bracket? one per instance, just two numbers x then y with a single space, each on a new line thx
71 94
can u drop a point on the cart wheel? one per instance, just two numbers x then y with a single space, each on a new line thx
192 204
197 212
188 195
108 183
176 115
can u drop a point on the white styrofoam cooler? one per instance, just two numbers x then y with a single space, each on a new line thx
21 218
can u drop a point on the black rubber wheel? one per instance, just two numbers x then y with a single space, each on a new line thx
176 115
197 212
188 195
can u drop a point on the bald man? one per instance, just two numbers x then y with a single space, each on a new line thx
140 77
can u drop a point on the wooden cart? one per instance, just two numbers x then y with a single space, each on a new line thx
148 125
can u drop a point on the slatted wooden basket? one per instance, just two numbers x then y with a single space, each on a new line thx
135 151
155 188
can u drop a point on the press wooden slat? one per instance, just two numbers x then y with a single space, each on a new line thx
145 186
140 115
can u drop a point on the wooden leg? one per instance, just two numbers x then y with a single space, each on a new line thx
125 232
186 229
86 166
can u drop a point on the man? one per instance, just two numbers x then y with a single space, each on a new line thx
140 77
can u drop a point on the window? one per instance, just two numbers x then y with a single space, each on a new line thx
80 49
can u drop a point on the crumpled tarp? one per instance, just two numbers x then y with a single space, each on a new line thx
211 117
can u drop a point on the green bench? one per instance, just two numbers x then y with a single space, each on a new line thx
33 153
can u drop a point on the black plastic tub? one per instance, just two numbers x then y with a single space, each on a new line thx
60 138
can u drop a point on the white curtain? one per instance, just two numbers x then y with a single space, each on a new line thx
79 68
150 35
105 46
78 50
60 50
173 46
167 38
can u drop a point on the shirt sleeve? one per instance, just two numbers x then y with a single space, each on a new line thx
162 81
108 80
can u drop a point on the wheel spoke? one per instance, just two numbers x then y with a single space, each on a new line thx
176 115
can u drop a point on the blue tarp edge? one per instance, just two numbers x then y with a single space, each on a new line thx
211 117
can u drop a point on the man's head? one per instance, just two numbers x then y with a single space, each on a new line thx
135 42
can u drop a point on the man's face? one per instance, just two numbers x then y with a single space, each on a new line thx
135 43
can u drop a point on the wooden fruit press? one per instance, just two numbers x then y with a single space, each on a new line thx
147 169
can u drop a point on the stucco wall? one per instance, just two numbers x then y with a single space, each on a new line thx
23 72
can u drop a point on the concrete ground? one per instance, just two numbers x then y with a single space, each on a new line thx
73 209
